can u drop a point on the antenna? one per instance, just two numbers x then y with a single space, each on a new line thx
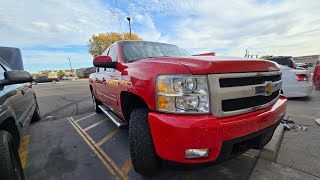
119 20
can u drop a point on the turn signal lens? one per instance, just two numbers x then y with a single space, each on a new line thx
162 103
161 87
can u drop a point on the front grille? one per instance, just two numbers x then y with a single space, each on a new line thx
247 102
247 81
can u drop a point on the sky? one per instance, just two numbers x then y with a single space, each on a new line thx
48 32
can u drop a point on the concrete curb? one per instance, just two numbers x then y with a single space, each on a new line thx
270 151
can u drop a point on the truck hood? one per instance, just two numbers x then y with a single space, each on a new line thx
216 65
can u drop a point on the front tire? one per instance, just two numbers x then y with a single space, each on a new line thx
34 83
54 81
10 165
143 154
95 104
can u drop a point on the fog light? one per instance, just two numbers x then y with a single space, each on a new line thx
197 153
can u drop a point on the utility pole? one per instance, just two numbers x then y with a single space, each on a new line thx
70 66
128 18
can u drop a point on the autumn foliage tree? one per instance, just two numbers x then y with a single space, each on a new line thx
98 43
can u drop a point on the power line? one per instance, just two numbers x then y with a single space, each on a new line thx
119 20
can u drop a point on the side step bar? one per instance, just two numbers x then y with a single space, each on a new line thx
114 118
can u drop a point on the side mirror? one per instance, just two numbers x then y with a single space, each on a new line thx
16 77
104 61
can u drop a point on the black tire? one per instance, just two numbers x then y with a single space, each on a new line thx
144 158
36 115
34 83
54 81
10 165
96 103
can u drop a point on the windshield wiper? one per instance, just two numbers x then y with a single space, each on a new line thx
129 61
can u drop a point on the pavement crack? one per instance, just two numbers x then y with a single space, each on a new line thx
52 113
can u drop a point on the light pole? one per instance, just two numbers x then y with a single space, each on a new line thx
128 18
70 65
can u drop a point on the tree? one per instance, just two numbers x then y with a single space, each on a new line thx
61 73
98 43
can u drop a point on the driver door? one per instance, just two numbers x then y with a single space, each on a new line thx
111 81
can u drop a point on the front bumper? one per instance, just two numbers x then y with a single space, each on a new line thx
225 137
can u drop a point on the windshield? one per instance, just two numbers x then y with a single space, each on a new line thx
136 50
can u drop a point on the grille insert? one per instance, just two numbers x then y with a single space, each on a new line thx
248 102
247 81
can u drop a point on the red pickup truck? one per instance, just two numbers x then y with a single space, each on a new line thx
186 109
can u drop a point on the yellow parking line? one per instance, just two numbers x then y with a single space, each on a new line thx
105 159
109 136
188 175
23 150
95 124
85 117
127 167
249 155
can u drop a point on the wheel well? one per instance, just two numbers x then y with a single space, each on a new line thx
9 126
129 102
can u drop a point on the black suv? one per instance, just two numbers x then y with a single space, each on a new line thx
283 60
18 107
43 79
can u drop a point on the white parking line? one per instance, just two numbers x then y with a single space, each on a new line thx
85 117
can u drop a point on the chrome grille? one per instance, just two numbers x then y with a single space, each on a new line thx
238 93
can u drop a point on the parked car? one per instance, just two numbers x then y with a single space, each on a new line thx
296 82
44 79
65 78
283 60
186 109
18 107
302 65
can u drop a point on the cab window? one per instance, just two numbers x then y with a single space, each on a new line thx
113 53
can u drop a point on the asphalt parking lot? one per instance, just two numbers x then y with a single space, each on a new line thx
73 142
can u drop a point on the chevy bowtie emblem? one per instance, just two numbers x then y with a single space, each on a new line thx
268 89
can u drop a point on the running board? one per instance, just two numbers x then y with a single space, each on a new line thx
114 118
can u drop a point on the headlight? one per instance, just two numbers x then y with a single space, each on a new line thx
182 94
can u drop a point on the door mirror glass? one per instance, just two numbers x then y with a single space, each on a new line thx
16 77
104 61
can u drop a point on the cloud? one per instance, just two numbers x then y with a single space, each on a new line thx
264 27
52 30
147 28
36 60
53 22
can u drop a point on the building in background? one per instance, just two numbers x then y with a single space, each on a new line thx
52 75
311 61
85 72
